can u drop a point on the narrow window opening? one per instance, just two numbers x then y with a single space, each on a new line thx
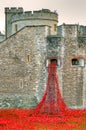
55 27
21 83
27 59
16 28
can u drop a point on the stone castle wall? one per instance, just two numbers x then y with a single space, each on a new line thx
73 76
22 80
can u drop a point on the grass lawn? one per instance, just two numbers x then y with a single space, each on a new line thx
21 119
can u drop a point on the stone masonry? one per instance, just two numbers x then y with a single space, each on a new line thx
74 82
22 82
26 53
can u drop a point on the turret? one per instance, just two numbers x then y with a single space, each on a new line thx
9 12
16 19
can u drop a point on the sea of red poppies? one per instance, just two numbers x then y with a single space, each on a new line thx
24 119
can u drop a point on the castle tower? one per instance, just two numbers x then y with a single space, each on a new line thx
16 19
8 19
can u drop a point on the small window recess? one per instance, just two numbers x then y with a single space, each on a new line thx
27 58
55 27
78 62
58 62
16 28
21 83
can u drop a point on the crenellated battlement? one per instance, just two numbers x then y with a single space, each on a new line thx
14 10
19 14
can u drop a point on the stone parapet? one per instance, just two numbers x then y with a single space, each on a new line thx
41 14
13 10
